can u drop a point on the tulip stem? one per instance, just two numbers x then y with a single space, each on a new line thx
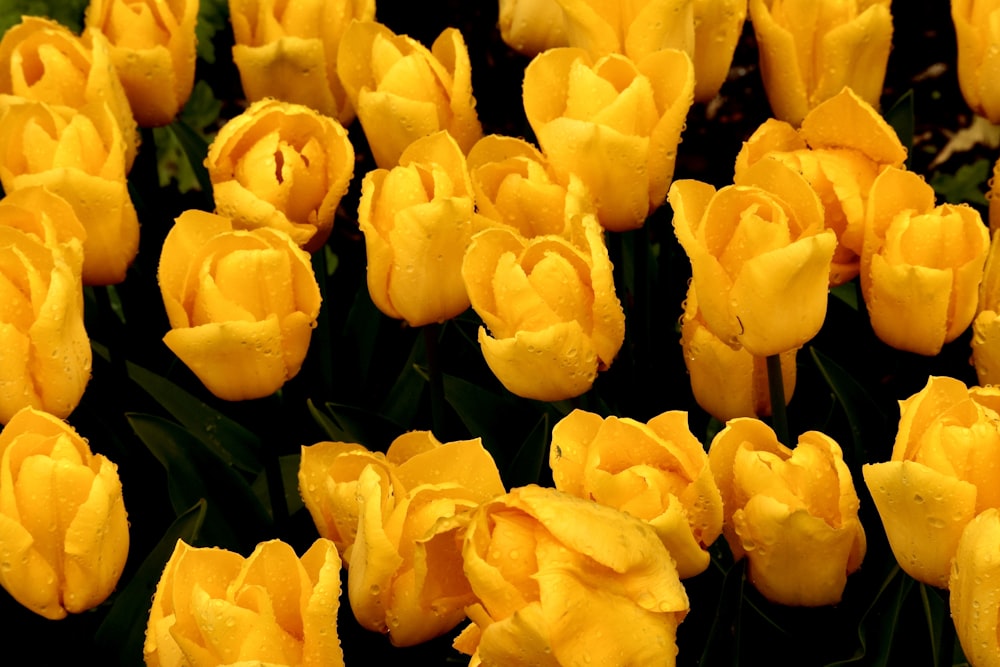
431 332
776 389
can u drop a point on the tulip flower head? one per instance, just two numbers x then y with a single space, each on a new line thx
565 581
656 471
811 49
63 529
283 166
760 257
288 51
792 512
978 54
613 123
921 264
213 607
153 49
402 91
241 304
942 473
532 26
974 602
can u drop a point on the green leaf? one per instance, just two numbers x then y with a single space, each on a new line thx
349 423
212 17
526 468
403 402
67 12
486 414
123 629
861 653
965 185
194 149
902 119
290 482
227 439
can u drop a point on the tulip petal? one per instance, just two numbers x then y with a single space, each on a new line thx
974 600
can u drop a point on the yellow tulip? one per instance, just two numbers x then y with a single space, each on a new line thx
63 529
289 51
978 54
921 265
841 147
42 60
401 91
45 355
417 219
707 30
550 306
986 325
565 581
241 304
153 49
727 382
282 166
80 157
760 257
513 186
811 49
945 460
656 471
792 512
403 577
613 123
975 598
532 26
213 607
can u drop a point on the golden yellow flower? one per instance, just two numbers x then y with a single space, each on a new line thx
841 147
943 470
241 304
986 325
792 512
289 50
613 123
565 581
978 54
80 157
550 306
921 264
45 355
513 186
63 529
153 48
213 607
405 573
727 382
760 256
656 471
42 60
532 26
811 49
282 166
974 598
707 30
417 219
401 91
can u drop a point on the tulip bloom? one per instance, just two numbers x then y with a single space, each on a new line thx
513 186
532 26
214 607
289 51
656 471
978 54
842 146
760 257
727 382
614 124
921 265
974 598
417 219
550 306
80 157
42 60
63 529
792 512
45 354
241 304
153 49
565 581
943 470
401 91
407 553
282 166
811 49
